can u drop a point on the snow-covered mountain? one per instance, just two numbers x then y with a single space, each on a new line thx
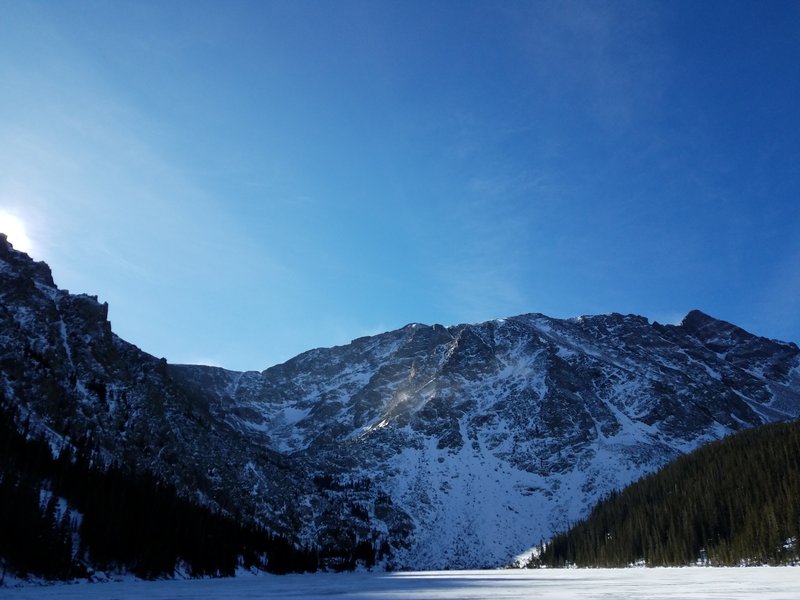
454 447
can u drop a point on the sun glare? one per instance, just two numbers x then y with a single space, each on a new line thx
14 228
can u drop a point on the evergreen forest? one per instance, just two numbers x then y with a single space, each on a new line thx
732 502
64 517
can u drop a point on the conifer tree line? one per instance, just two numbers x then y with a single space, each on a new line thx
120 520
735 501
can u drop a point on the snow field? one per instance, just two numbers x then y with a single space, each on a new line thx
762 583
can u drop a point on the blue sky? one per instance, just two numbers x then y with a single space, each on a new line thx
243 181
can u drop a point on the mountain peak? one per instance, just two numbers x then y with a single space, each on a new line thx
18 263
697 318
706 327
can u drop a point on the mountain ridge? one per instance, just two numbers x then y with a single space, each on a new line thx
446 447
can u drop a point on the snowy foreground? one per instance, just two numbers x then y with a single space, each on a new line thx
763 583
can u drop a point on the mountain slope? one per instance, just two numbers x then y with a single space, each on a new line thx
435 446
731 502
64 518
482 434
77 382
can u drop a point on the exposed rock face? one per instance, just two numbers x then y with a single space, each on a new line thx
75 380
457 446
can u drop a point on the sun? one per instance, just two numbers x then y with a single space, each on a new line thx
15 229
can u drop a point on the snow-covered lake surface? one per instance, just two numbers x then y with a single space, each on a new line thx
763 583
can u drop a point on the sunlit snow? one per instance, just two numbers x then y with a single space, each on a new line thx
764 583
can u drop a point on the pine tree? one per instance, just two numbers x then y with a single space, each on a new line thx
732 501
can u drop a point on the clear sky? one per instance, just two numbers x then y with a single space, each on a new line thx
243 181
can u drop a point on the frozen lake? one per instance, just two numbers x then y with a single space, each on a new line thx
762 583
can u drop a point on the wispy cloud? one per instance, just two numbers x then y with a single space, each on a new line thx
778 307
606 58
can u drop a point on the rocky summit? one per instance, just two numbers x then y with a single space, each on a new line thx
443 447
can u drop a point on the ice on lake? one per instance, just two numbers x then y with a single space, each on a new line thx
763 583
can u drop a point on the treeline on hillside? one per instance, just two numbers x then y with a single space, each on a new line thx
735 501
60 517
